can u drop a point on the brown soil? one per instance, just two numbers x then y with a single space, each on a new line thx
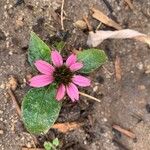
125 103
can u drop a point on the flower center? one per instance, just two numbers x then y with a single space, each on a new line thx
63 75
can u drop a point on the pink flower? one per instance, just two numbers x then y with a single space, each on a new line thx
61 73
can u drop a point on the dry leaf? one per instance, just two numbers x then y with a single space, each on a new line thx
15 103
65 127
104 19
80 24
94 39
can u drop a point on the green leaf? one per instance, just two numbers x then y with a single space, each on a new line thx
40 109
56 142
48 145
37 49
92 59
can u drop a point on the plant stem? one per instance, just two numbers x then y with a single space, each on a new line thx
90 97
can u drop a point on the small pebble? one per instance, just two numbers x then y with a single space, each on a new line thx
1 132
2 86
12 83
1 112
141 87
147 71
28 145
5 7
95 88
105 119
139 65
85 142
80 24
10 53
1 119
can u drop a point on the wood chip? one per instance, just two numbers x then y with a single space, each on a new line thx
66 127
118 68
19 22
15 103
12 83
124 131
99 15
80 24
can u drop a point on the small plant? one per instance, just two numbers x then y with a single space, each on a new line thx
52 145
42 104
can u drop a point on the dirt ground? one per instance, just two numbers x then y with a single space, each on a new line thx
125 103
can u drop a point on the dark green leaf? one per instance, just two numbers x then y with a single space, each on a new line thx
40 109
92 59
37 49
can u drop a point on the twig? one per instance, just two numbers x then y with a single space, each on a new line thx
62 17
88 24
124 131
97 28
15 103
90 97
129 4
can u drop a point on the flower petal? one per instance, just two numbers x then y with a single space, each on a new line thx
81 80
41 80
56 58
60 92
76 66
44 67
72 92
71 60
